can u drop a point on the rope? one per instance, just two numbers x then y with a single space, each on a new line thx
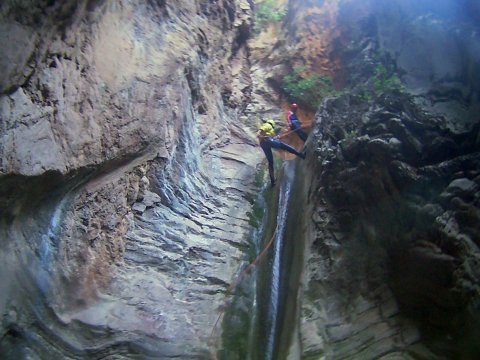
245 271
291 131
233 286
286 133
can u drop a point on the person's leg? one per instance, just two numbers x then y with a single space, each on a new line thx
302 134
277 144
297 127
267 149
271 173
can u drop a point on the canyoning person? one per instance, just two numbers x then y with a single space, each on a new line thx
295 124
268 140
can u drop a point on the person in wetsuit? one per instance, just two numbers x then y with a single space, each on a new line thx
295 124
268 141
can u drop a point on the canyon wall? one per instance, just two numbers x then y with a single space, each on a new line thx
129 171
126 175
392 248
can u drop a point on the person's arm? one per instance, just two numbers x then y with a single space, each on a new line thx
289 114
260 135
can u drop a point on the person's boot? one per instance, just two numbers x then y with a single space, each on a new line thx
272 175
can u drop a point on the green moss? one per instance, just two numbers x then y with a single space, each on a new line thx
351 134
255 217
237 322
306 87
238 315
314 356
267 12
382 78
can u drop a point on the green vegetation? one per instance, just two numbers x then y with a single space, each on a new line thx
307 88
256 215
267 12
351 134
383 78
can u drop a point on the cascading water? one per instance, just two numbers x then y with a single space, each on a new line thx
275 285
266 317
49 242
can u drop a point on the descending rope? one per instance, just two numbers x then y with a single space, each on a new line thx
233 286
287 132
291 131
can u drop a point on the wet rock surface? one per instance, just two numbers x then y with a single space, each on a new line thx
126 176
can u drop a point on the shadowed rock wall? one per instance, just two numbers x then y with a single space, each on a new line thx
433 45
390 267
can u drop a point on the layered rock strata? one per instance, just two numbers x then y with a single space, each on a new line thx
126 176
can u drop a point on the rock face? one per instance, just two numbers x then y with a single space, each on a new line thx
125 175
302 39
436 46
390 267
392 248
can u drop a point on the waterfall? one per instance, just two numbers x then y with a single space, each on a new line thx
272 274
275 286
48 244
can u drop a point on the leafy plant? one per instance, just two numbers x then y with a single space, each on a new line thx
267 12
383 77
307 88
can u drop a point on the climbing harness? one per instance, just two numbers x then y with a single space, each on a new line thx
233 286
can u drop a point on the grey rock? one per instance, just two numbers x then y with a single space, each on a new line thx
462 186
400 212
129 171
383 150
353 147
18 44
150 199
139 208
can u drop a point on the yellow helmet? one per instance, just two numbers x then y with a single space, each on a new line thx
271 122
267 128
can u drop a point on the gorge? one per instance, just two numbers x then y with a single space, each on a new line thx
133 191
